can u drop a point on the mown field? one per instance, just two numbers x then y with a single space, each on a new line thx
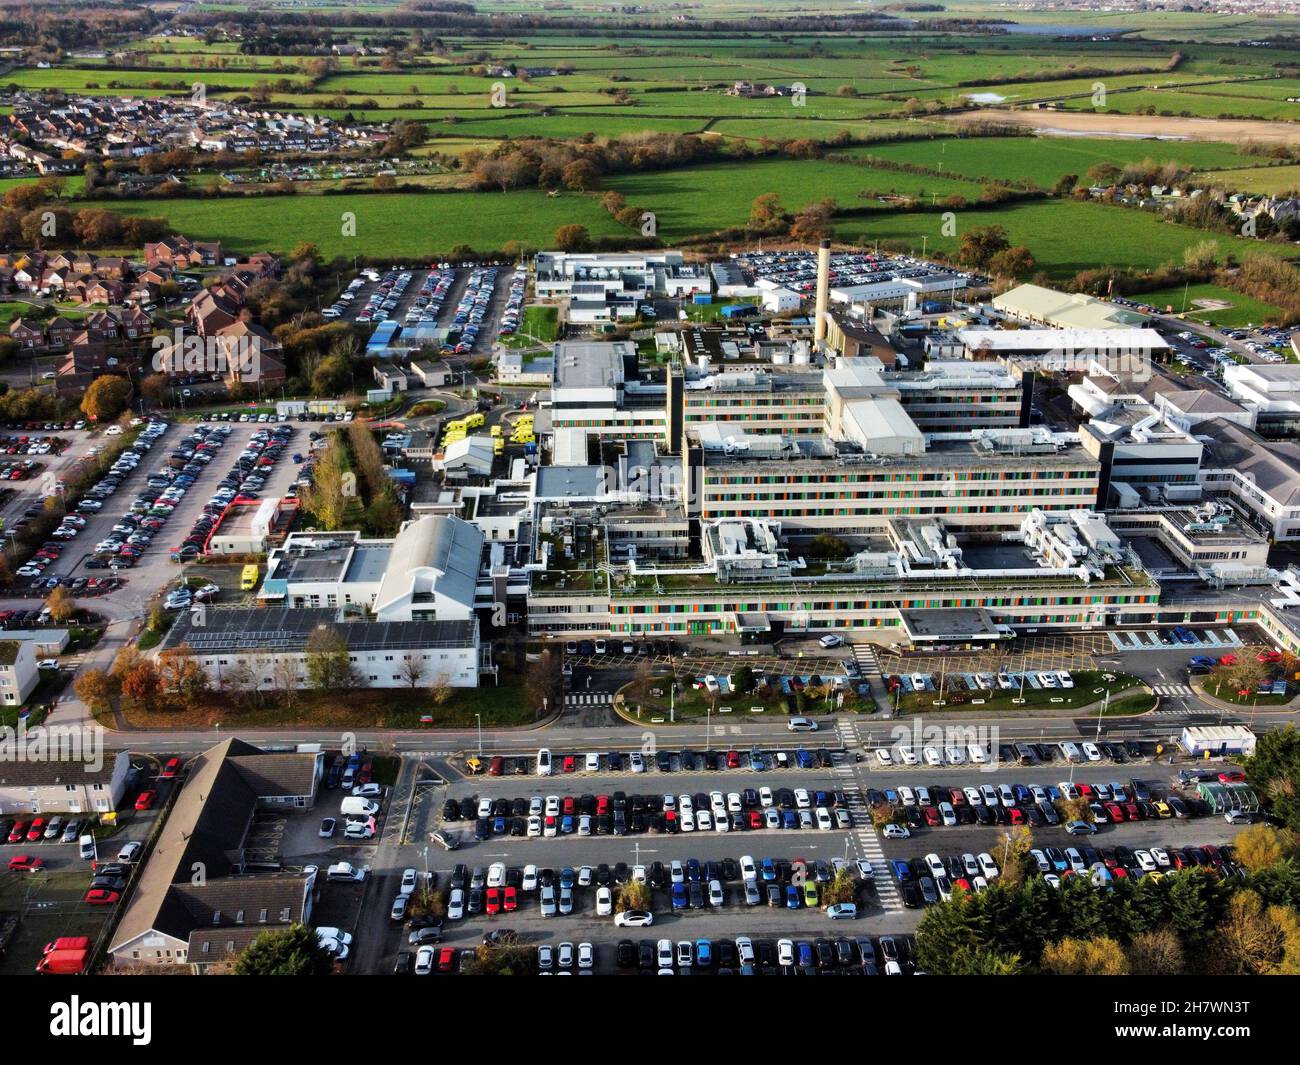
1269 180
1044 160
1242 310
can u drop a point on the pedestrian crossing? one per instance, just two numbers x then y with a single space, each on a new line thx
869 847
1172 689
588 699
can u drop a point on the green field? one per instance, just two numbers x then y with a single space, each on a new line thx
1044 160
1064 236
1242 310
1269 180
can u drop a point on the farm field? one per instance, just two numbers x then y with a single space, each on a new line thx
1064 236
1044 160
399 224
702 199
1194 104
1261 180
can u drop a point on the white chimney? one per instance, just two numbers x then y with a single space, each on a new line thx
823 292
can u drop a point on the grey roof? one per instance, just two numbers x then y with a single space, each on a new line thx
591 364
229 631
45 774
1274 465
570 482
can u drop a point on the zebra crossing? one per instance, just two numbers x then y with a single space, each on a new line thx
869 847
1172 689
588 699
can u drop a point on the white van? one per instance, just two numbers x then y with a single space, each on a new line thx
86 846
1071 752
358 807
543 762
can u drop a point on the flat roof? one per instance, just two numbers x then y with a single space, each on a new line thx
950 624
369 561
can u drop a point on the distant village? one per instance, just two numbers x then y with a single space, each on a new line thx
39 132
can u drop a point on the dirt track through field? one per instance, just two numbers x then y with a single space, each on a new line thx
1102 124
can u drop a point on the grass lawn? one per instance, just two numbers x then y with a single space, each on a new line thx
541 325
694 704
502 706
1243 310
1090 687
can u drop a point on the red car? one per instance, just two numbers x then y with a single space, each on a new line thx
25 863
492 903
1086 790
755 820
36 831
569 763
1231 776
510 900
733 759
100 897
18 833
932 816
144 800
1269 656
1132 812
170 770
1016 815
1115 813
496 766
447 960
957 797
602 805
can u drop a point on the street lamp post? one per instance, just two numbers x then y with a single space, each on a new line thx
478 720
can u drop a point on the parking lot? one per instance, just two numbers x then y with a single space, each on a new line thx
457 307
48 893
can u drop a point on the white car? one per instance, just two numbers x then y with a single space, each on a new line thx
604 902
824 821
977 754
496 876
990 794
424 961
831 640
883 756
1146 861
456 905
410 878
586 956
906 794
802 800
765 797
973 796
988 867
48 664
935 864
907 756
703 821
1161 857
932 756
368 791
1091 752
785 952
593 763
716 895
529 879
896 832
748 870
552 807
634 919
534 826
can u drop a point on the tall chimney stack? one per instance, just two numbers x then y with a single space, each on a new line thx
823 292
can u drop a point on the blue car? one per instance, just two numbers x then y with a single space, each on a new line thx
703 952
567 877
789 819
793 900
1183 635
804 759
805 954
498 826
694 874
901 870
679 897
1023 796
566 825
756 763
768 869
